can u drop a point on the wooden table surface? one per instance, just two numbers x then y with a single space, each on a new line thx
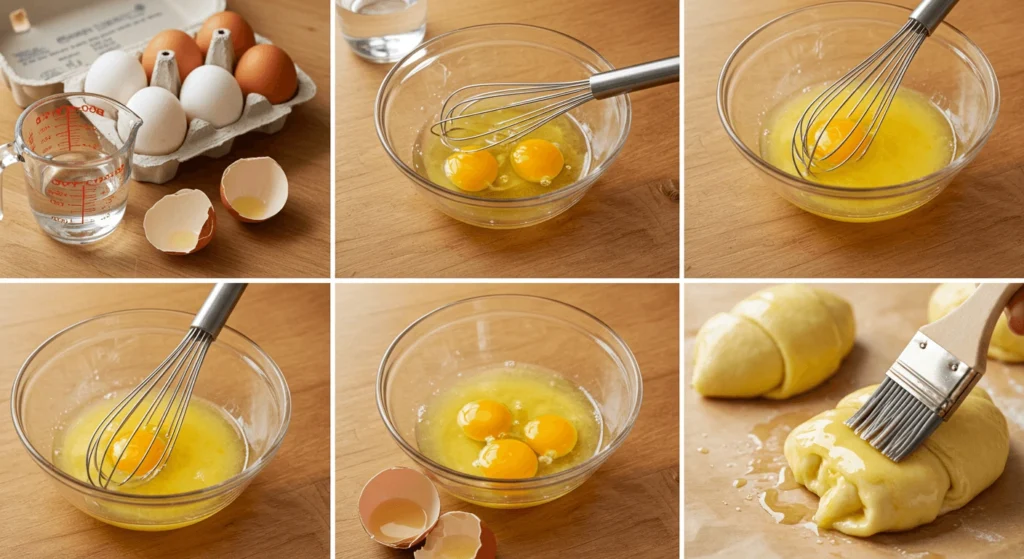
725 521
737 227
627 226
630 508
294 243
285 511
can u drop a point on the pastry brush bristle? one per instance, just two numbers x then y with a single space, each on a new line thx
893 421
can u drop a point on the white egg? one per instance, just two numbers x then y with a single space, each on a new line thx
117 75
164 123
212 94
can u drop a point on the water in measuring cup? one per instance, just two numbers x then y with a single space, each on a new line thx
80 205
383 30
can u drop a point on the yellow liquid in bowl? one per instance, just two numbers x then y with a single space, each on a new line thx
914 140
430 154
528 392
209 449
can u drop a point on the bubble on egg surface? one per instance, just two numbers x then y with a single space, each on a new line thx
164 123
186 52
115 74
211 93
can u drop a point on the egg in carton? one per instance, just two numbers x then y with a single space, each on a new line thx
202 137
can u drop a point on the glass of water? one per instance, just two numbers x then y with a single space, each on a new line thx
383 31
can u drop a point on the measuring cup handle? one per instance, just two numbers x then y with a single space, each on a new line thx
8 156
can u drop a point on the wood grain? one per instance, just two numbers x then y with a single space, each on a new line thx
737 227
285 512
295 243
630 508
725 521
627 226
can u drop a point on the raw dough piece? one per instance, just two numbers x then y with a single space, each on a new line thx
777 343
863 492
1005 345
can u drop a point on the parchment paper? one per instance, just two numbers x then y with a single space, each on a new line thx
723 439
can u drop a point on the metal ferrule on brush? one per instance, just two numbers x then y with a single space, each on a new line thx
934 376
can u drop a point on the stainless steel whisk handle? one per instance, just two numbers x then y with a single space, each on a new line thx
634 78
930 13
218 306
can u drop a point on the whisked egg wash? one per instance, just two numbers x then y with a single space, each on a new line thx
550 158
915 140
210 449
530 394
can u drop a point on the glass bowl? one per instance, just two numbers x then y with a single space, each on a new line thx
113 352
818 44
411 96
491 330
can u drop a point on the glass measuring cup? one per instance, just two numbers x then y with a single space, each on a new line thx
77 153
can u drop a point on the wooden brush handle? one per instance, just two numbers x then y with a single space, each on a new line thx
967 331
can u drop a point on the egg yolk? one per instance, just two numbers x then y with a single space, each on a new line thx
133 454
831 148
537 161
485 419
552 436
473 171
507 459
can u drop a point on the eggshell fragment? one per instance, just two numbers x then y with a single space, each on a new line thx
464 526
254 189
399 483
181 223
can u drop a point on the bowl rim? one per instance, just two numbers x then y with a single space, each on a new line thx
557 477
581 184
189 496
926 181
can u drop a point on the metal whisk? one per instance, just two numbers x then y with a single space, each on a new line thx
538 103
869 90
176 376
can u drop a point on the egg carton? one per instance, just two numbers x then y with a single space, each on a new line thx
202 138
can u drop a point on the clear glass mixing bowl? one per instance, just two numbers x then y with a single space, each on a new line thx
113 352
489 331
818 44
411 95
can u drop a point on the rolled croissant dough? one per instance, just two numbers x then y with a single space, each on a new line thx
862 492
777 343
1005 345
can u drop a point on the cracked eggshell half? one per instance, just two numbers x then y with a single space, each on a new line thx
181 223
465 532
398 483
254 189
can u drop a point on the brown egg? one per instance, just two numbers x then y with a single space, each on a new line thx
242 36
269 71
186 51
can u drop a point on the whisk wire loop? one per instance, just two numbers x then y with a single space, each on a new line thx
870 89
542 102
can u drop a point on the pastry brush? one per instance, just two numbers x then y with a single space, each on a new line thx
933 375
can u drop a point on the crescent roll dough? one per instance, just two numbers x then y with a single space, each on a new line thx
777 343
862 492
1005 345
